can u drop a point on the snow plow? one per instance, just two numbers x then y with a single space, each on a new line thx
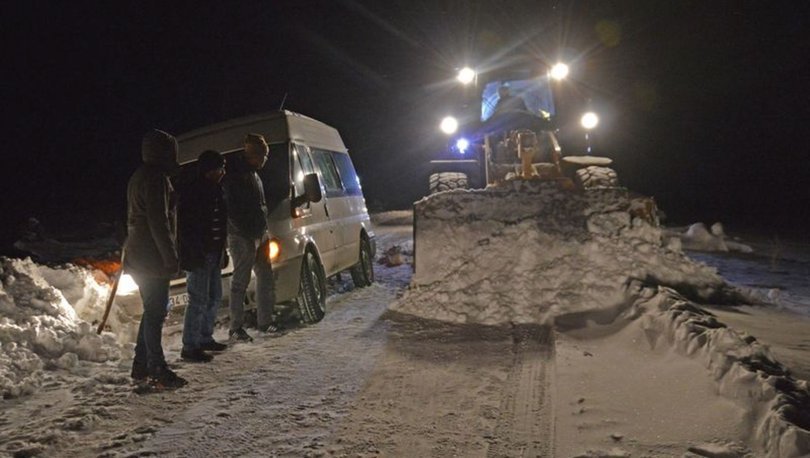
509 152
513 136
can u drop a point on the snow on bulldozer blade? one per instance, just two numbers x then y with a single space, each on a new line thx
631 340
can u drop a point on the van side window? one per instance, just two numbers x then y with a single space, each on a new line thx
329 174
302 165
351 182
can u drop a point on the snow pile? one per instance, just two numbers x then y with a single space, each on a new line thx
87 291
744 370
698 237
40 329
538 255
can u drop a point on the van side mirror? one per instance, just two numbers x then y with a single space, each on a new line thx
312 187
312 191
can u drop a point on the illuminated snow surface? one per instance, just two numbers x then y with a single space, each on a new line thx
609 282
634 368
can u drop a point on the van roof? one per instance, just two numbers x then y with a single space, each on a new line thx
277 127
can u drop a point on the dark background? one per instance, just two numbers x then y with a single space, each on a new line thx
704 104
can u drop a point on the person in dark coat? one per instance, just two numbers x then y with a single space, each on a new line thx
247 231
202 221
151 253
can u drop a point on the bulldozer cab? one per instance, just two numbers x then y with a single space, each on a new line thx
504 130
535 96
516 134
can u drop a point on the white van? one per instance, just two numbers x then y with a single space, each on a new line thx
318 221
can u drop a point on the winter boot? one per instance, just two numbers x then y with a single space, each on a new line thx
163 378
195 355
213 346
139 372
273 330
240 335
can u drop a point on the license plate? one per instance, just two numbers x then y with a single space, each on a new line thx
178 300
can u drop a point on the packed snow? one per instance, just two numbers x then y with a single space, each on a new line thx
539 255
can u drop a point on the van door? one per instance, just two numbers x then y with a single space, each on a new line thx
313 219
353 211
337 207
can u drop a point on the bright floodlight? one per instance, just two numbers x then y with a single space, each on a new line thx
466 75
589 120
559 71
462 144
449 125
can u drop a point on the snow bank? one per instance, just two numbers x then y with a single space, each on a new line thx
539 254
40 328
744 370
698 237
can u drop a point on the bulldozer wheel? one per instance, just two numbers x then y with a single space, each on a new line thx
445 181
596 177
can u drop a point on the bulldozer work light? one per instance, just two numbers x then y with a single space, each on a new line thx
466 75
449 125
589 120
462 144
559 71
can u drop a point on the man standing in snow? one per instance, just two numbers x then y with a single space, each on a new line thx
247 232
151 254
202 219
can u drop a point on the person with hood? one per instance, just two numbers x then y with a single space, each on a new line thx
151 255
201 221
247 232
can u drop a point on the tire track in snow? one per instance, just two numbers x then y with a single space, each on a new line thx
525 424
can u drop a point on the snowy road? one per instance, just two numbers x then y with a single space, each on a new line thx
362 382
367 381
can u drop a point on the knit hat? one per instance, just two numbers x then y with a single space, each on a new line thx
209 160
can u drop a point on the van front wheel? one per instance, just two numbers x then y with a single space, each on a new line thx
363 271
311 290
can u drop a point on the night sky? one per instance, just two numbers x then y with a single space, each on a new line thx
704 104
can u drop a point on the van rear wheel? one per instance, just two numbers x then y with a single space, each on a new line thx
311 290
363 271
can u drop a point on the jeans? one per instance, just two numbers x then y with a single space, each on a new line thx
155 298
204 295
244 256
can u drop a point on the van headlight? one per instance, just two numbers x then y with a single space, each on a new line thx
273 250
126 285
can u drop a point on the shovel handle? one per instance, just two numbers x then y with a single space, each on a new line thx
110 301
113 292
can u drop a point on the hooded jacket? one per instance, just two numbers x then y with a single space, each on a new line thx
151 249
244 193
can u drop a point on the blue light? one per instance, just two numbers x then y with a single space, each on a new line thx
462 144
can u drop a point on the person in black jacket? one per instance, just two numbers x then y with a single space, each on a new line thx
247 232
151 254
202 222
